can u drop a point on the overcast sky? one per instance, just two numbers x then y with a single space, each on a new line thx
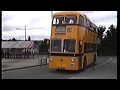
39 23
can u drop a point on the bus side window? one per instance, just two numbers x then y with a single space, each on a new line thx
88 24
91 26
81 21
84 20
94 28
85 23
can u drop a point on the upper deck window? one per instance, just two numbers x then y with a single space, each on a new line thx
71 19
58 20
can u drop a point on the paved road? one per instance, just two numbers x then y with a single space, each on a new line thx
103 70
106 70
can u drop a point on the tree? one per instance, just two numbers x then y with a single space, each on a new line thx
14 39
44 46
110 41
9 40
29 38
101 31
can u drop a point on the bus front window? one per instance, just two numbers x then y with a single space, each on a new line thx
58 20
56 45
71 19
69 45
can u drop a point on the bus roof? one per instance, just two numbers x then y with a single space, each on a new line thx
65 13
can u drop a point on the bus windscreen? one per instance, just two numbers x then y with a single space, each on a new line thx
69 45
56 45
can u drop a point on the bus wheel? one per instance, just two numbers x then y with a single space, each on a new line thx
84 64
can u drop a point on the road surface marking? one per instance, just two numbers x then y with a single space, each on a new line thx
110 59
65 77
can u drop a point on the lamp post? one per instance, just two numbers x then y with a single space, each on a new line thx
22 29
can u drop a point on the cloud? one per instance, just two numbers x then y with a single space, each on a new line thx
38 23
97 16
36 34
6 16
39 37
7 28
42 23
18 19
87 12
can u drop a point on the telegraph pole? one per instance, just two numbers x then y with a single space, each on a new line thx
25 32
22 29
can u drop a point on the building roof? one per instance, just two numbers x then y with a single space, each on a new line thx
8 44
18 44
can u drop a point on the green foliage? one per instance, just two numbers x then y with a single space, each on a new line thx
29 38
43 47
101 30
14 39
108 45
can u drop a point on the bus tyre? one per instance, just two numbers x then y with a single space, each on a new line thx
84 64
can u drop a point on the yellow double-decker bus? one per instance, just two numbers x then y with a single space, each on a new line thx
72 42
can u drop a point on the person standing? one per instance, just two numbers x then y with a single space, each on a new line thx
33 53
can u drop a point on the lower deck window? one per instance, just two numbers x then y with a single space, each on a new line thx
56 45
69 45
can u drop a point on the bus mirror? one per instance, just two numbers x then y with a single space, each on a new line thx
98 41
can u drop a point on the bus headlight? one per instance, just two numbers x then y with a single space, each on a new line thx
72 60
69 30
51 59
72 65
